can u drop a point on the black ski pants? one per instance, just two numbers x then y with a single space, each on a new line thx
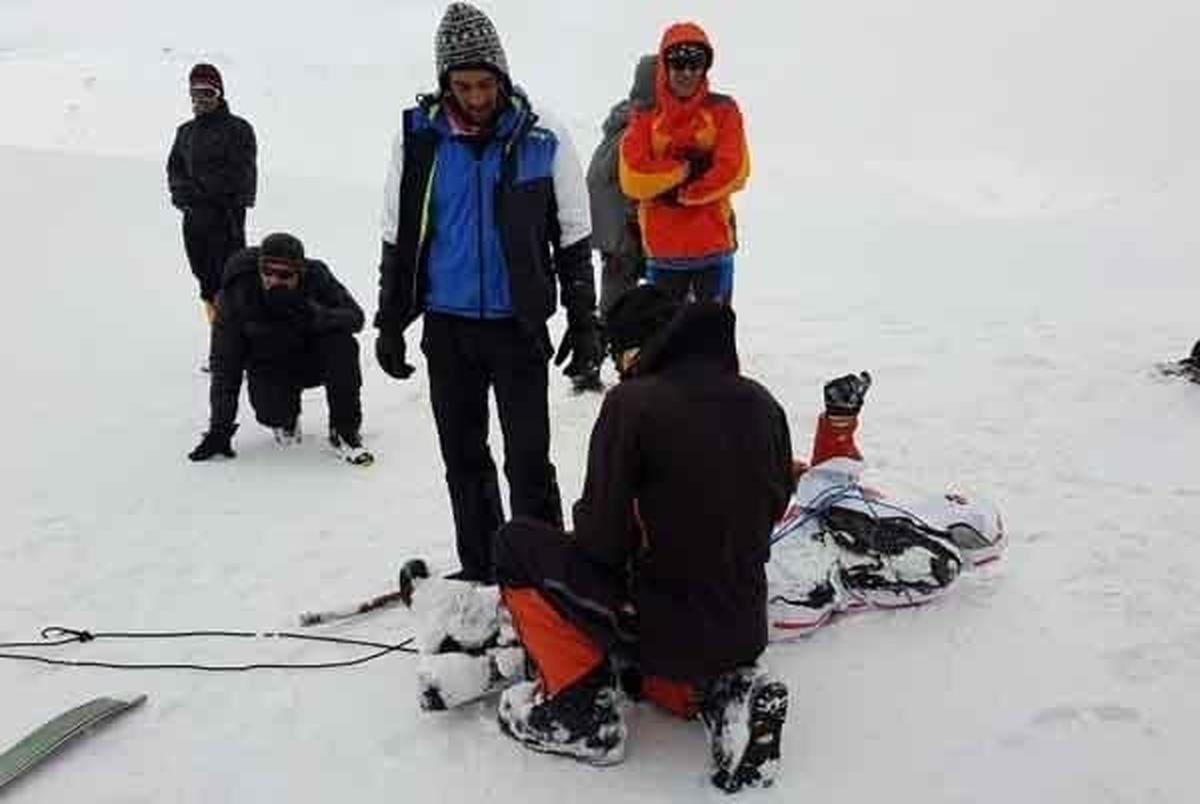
330 360
466 358
211 234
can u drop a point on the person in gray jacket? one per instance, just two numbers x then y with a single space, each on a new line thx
614 216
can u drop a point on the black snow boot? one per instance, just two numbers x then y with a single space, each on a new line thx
582 722
743 712
349 447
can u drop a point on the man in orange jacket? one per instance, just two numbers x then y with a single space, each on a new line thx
681 160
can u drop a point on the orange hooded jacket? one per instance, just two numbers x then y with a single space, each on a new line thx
684 216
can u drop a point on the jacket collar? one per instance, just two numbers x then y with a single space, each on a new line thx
515 119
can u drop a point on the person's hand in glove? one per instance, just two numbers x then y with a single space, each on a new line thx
581 343
844 396
699 162
390 353
217 441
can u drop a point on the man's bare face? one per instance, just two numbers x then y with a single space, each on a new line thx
477 93
279 275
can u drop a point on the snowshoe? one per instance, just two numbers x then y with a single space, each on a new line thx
743 713
582 721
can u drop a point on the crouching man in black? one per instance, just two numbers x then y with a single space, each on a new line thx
289 325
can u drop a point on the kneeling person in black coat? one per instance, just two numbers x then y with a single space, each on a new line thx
288 324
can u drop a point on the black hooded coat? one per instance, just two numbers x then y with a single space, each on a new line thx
689 468
252 335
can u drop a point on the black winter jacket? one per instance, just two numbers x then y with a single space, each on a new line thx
248 335
212 162
689 468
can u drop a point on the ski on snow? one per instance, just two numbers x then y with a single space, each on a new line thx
49 738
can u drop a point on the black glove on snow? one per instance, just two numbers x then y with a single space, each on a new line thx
390 352
844 396
581 342
217 441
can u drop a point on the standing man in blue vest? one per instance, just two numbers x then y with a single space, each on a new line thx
485 217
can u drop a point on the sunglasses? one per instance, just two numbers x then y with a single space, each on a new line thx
278 272
205 93
695 62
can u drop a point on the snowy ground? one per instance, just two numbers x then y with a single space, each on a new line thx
988 206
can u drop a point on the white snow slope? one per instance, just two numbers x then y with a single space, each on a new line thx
988 205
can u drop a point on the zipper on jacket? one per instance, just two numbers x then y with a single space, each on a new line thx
422 234
479 230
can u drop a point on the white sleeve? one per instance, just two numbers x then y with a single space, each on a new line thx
391 190
570 189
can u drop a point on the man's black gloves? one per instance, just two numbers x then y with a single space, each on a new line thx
217 441
581 343
699 163
287 304
844 396
390 352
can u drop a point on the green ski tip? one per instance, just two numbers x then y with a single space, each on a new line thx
46 740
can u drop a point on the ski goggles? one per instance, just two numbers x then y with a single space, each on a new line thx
201 92
687 57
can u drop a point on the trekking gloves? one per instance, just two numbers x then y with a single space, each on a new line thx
844 396
699 163
390 353
581 343
215 442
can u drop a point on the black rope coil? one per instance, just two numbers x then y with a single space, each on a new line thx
55 636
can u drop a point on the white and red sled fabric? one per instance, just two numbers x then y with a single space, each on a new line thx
49 738
843 547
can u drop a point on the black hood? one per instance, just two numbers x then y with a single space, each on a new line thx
240 264
699 333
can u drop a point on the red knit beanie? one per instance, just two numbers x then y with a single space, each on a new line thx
206 75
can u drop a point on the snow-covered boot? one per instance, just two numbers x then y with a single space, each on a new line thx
459 617
349 447
587 380
447 680
465 634
582 721
743 712
288 435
